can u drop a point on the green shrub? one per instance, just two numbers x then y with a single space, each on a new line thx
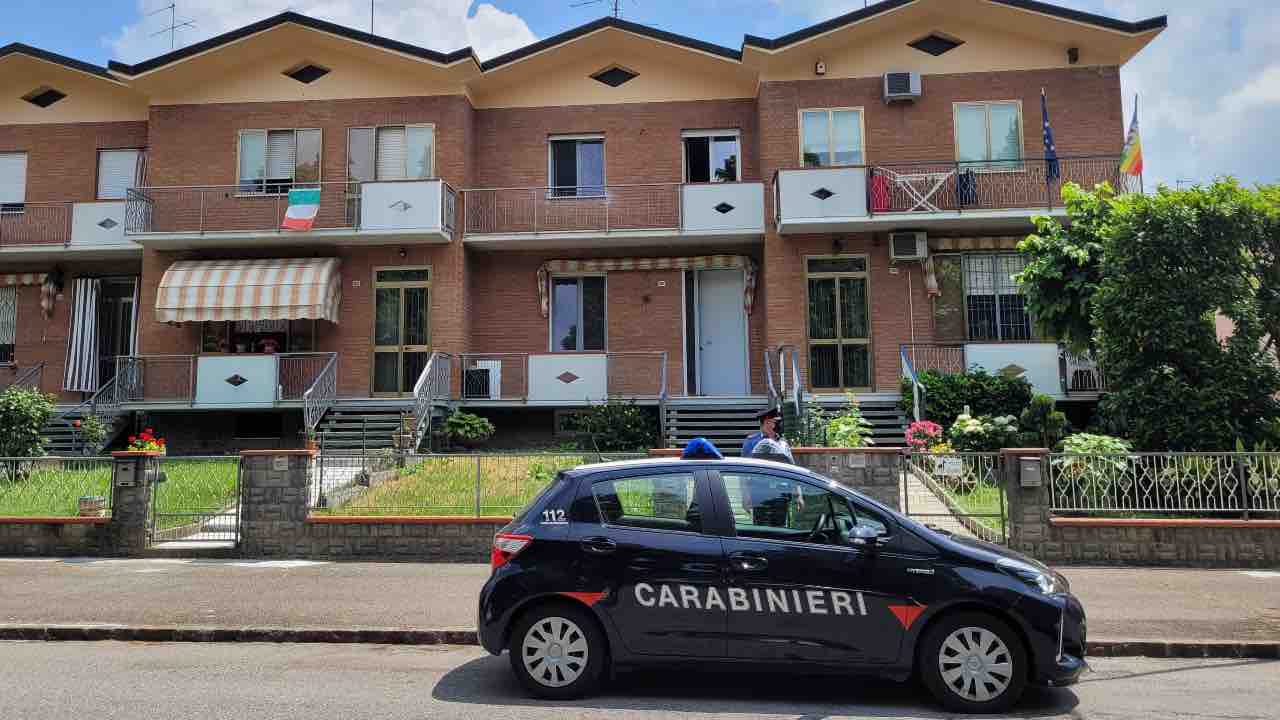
848 429
93 431
619 427
983 433
1090 444
809 429
467 428
23 414
947 395
1043 422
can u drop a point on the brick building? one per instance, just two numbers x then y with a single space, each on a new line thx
615 211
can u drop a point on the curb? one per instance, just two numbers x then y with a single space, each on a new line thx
401 636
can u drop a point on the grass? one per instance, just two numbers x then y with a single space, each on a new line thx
982 502
446 485
194 485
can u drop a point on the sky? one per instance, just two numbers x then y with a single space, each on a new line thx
1209 87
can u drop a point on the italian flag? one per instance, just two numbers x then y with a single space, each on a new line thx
304 205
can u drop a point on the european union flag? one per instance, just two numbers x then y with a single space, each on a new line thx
1053 170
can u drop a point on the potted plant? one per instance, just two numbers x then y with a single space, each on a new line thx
468 430
147 441
313 439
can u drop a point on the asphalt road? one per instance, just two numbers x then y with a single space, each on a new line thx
209 681
1122 603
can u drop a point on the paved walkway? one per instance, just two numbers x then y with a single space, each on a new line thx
1123 603
924 506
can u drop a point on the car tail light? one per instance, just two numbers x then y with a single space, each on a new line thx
505 547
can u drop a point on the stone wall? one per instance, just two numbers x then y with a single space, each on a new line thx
1190 542
275 522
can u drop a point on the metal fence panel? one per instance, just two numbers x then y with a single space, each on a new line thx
197 500
472 484
1162 484
55 487
964 489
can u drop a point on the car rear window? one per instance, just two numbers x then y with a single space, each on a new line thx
657 502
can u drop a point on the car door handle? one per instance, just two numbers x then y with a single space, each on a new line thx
598 545
748 562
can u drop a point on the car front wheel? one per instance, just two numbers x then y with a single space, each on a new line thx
973 663
558 652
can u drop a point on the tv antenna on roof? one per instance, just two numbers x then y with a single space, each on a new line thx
174 25
616 5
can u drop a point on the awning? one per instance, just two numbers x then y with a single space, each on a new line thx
278 289
697 262
949 244
21 279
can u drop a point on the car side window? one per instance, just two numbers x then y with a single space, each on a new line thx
658 502
779 508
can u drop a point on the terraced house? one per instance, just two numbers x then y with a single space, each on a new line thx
613 212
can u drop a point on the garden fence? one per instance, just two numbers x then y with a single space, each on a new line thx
55 487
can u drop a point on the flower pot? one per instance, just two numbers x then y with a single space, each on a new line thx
92 506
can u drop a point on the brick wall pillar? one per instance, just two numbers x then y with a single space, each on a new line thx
875 472
1028 506
273 501
133 476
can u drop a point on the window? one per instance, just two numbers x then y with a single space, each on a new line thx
576 166
257 336
8 323
391 152
578 313
994 305
779 508
839 323
989 135
830 138
13 181
711 156
272 161
657 502
118 170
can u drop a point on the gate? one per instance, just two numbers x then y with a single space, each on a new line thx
196 500
959 492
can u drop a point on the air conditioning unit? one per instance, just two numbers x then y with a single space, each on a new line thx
483 380
908 245
901 87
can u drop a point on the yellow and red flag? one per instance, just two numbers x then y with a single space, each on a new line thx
1131 159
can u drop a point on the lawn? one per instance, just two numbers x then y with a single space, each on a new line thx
194 486
447 485
976 491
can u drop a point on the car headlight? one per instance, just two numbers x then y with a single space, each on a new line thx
1030 574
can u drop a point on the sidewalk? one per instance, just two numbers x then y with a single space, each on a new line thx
1122 603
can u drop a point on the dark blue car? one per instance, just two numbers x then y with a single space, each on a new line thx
747 561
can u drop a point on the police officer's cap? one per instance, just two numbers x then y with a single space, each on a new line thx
772 412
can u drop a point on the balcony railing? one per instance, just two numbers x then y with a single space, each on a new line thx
945 359
1079 373
400 205
36 223
519 377
175 378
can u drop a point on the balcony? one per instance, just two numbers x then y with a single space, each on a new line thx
48 230
613 216
562 378
371 213
939 196
218 381
1050 369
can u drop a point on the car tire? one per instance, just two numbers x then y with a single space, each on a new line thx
558 652
973 663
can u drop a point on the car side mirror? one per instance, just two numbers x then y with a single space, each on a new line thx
864 536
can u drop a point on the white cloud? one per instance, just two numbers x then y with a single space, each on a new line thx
442 25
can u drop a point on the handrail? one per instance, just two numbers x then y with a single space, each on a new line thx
427 391
917 389
797 385
321 394
768 377
25 376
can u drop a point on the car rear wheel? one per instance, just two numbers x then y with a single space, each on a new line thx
558 652
973 663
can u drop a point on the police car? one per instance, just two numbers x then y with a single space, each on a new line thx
750 561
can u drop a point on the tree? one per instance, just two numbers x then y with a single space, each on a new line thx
23 414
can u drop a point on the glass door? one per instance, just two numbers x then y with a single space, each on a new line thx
115 324
401 328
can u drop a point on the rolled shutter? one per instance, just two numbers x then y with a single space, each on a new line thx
391 153
280 154
13 178
117 172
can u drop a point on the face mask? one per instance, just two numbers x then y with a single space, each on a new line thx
777 427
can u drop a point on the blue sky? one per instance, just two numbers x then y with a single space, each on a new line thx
1210 86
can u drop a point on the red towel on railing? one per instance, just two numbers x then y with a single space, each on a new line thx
881 199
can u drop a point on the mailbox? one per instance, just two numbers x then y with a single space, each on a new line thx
128 472
1029 471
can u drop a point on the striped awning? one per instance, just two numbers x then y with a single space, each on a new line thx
944 244
21 279
277 289
696 262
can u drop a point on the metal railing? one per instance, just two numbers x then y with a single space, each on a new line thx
946 359
635 375
37 223
55 487
788 366
155 378
473 485
29 377
321 394
652 206
298 372
431 389
196 499
1165 484
240 208
1081 373
960 492
640 374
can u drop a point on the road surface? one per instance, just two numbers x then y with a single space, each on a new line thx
211 681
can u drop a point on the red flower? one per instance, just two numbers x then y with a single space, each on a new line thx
148 431
75 423
133 438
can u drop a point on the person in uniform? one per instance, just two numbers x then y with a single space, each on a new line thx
770 427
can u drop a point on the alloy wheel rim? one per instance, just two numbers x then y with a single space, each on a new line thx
975 664
554 652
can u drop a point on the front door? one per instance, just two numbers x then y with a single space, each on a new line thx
798 589
401 328
722 333
115 324
660 569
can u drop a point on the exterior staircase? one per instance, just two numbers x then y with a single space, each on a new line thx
724 421
888 421
61 437
352 428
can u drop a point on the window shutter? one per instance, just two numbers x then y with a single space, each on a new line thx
117 172
13 178
280 154
8 316
391 153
